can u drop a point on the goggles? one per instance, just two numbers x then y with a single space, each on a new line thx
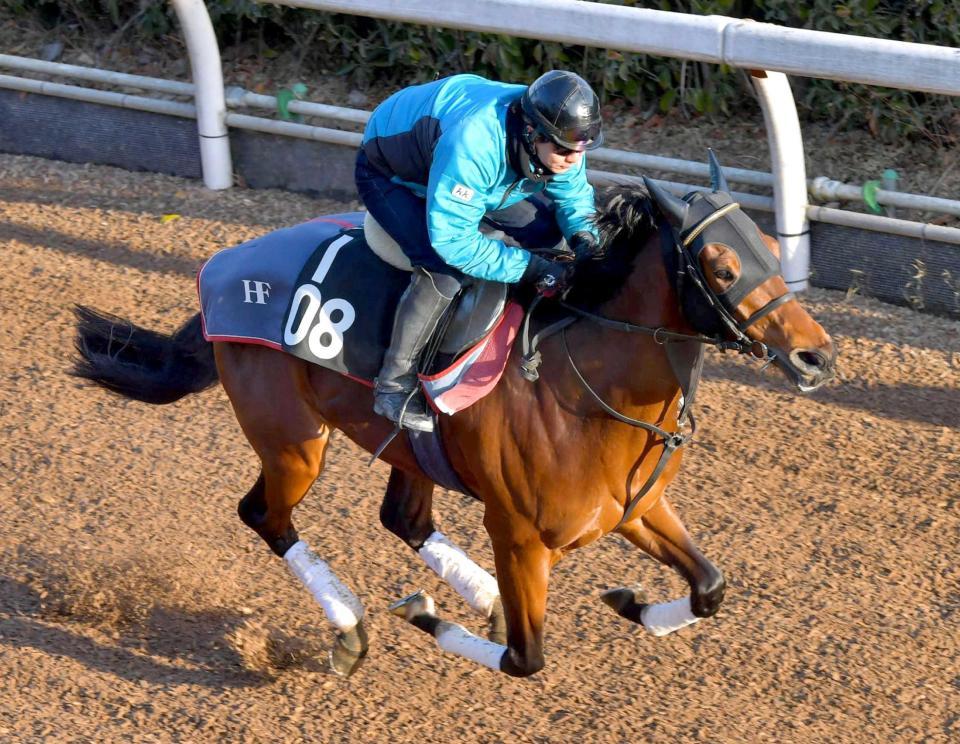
577 139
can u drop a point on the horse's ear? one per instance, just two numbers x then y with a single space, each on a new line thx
718 181
673 209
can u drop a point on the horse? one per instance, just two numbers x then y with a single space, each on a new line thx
586 449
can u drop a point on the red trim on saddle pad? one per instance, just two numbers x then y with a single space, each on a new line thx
339 223
477 371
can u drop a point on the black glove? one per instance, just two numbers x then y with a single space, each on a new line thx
549 277
585 246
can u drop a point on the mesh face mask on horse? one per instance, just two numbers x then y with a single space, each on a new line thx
558 462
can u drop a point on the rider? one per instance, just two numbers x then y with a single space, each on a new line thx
443 162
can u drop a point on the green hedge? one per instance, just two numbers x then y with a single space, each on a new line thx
364 50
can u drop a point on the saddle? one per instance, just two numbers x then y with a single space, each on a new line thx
475 311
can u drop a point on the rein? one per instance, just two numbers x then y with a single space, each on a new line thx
686 371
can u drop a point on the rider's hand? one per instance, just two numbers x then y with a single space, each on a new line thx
585 246
549 277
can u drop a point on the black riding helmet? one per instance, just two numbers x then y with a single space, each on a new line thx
562 107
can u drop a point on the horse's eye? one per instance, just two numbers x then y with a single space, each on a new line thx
724 275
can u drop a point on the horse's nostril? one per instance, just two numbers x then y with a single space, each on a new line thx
812 359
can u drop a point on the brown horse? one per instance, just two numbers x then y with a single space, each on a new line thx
585 450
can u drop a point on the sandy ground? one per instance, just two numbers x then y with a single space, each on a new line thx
134 605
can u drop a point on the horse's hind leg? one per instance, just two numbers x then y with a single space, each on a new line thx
661 534
407 512
291 440
267 509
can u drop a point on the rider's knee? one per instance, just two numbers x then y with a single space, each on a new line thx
446 284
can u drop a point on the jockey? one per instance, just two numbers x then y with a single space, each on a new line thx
445 162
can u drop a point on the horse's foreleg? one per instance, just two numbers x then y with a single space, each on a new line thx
523 572
661 534
407 512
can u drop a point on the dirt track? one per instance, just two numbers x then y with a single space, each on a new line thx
134 605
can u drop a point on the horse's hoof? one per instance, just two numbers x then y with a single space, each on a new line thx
343 662
497 624
626 601
418 603
349 651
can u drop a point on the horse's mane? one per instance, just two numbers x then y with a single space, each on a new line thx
625 221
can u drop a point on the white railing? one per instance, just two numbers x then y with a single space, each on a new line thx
821 187
731 41
208 77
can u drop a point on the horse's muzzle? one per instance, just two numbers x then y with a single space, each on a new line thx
809 369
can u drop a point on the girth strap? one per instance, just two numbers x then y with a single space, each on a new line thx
432 458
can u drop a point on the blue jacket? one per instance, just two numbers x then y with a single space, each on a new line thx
447 141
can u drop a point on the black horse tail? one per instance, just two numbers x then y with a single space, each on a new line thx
141 364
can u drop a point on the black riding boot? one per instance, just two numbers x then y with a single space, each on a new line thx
420 309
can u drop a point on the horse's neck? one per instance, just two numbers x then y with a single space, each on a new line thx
643 375
648 296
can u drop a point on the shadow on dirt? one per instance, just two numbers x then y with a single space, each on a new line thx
118 254
926 405
139 626
199 639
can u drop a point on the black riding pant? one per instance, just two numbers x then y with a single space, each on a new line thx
531 222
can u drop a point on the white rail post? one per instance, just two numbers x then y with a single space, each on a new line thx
210 101
789 175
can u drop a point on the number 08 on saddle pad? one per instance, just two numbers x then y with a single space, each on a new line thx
318 292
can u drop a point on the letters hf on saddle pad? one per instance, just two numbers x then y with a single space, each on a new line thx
318 292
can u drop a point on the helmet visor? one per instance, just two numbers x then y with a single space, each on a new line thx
579 139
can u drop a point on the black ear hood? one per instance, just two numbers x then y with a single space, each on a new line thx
736 231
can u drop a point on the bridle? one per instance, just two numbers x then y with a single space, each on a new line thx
684 350
688 246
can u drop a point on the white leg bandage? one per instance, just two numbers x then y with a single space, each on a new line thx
467 578
661 619
456 639
341 606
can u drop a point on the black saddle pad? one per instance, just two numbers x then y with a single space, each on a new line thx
318 292
313 290
340 314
